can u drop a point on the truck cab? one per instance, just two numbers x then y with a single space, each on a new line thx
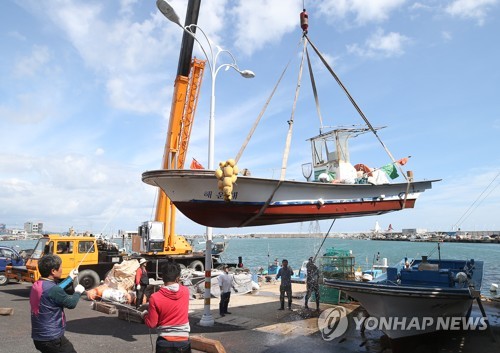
8 257
93 257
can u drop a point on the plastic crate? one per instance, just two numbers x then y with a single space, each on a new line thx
327 295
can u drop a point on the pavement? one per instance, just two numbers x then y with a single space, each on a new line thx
254 326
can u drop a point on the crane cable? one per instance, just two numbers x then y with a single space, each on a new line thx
467 213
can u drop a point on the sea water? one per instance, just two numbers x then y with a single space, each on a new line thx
259 252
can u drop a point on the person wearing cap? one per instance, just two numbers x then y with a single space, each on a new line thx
285 273
225 284
312 282
141 282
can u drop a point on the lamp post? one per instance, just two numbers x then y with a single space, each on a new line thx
212 57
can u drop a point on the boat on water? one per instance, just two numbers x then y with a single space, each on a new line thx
338 189
421 295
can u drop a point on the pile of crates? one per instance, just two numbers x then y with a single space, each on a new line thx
334 264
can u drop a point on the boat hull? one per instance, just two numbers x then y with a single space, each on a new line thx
259 201
422 305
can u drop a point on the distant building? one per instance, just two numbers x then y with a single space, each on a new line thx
3 228
413 231
30 227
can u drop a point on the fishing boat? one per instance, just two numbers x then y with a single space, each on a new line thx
418 296
338 189
261 201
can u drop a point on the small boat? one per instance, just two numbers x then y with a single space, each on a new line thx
260 201
300 275
338 189
418 296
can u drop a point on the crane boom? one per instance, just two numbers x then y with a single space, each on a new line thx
159 237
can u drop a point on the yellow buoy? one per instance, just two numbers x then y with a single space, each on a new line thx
227 181
228 171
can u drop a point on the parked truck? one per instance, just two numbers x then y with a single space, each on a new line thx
93 257
8 257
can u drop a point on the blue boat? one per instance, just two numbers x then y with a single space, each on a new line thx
420 295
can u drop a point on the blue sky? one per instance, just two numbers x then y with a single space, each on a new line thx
86 88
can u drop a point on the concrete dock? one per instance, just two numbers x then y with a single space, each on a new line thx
255 325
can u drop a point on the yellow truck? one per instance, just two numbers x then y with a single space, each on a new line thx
93 257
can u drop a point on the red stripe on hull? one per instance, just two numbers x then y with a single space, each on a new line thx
231 214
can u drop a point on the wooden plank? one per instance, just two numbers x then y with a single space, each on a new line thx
6 311
129 315
208 345
104 308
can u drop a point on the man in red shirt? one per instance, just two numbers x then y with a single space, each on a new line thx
168 312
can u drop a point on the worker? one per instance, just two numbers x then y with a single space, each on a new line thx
141 282
312 282
225 284
285 273
47 302
168 312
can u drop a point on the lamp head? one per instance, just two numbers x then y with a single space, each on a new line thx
247 74
168 11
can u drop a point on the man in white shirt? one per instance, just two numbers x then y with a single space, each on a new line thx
225 284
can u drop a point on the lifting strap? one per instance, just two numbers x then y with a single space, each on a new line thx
254 126
287 144
315 92
354 103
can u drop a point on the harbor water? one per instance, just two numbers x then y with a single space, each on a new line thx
258 252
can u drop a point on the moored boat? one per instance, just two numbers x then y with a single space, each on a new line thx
418 297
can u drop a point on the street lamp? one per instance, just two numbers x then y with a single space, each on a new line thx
212 57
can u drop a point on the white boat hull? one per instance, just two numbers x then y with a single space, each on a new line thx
259 201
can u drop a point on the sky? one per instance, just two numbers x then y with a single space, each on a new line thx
86 88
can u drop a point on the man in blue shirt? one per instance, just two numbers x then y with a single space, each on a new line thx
285 273
47 301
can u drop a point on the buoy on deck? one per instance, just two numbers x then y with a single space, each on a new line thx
494 287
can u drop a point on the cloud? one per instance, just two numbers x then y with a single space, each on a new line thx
361 12
30 65
471 9
123 52
381 45
16 35
447 36
252 34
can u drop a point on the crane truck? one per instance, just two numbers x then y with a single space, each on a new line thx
156 240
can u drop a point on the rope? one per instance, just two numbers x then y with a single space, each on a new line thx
286 152
313 84
254 126
353 103
329 229
288 142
